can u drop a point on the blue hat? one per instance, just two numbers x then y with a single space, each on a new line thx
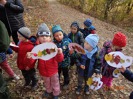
92 39
75 24
56 28
88 22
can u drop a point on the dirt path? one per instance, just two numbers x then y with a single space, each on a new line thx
56 13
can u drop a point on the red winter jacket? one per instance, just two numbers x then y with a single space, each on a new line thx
50 67
22 60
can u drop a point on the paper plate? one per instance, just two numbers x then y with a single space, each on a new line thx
118 59
39 50
13 45
96 83
76 47
116 73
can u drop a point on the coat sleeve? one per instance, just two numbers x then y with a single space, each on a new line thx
81 30
82 40
29 62
59 57
17 7
97 66
82 62
128 75
15 49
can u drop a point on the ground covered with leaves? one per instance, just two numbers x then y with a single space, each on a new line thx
52 12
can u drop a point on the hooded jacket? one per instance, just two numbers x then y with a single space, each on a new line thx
22 60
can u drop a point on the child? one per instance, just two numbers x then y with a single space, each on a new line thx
62 41
49 68
24 64
90 62
128 75
88 28
76 37
4 64
116 44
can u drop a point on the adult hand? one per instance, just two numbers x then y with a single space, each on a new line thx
122 69
3 2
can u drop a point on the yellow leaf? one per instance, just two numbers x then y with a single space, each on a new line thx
89 81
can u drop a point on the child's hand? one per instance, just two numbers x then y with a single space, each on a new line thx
29 54
27 68
71 52
122 69
59 50
82 66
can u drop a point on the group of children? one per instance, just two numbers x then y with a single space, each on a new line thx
50 70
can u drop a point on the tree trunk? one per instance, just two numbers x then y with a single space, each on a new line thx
129 7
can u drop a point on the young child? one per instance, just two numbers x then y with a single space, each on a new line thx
62 41
5 66
118 42
88 28
128 75
90 62
25 64
76 37
49 68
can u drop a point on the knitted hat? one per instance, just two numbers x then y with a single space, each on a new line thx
88 22
56 28
119 39
25 32
92 39
75 24
43 30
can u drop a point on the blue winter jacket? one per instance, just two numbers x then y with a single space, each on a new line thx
92 65
64 45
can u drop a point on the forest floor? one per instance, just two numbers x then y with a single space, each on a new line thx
52 12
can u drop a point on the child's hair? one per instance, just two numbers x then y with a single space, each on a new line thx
43 30
88 22
119 40
25 32
75 24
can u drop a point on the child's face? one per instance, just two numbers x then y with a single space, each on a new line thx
58 36
74 29
87 46
21 38
43 39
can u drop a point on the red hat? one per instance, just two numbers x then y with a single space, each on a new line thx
119 39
